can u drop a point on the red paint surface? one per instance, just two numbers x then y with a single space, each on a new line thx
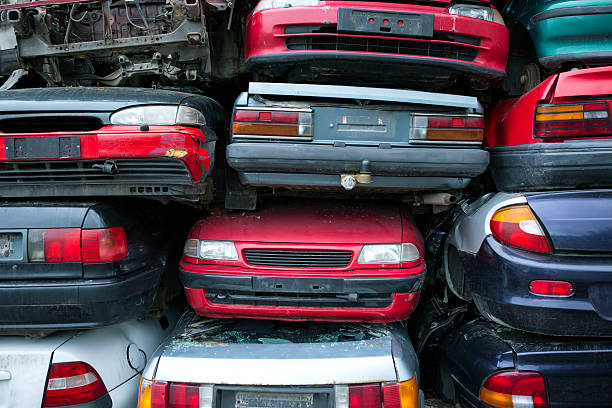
129 142
266 29
400 309
510 122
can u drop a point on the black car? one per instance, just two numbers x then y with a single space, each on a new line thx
66 265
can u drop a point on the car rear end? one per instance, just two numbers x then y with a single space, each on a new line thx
237 363
293 260
321 136
544 265
315 39
557 136
69 265
106 142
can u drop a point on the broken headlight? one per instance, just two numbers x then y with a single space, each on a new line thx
388 253
271 4
215 250
479 12
159 115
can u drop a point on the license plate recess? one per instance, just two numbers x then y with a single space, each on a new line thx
46 147
273 400
385 23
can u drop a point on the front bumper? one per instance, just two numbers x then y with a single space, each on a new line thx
552 166
300 298
77 304
305 165
459 44
499 278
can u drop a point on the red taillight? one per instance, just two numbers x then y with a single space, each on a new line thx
72 383
272 123
551 288
76 245
183 396
572 120
517 226
265 116
515 389
364 395
442 128
104 245
159 394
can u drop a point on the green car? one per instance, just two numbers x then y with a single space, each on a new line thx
548 36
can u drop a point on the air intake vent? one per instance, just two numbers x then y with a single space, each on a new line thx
298 258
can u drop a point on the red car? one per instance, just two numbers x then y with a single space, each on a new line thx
426 43
303 260
557 136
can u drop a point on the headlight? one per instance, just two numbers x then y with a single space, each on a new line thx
479 12
271 4
217 250
158 115
388 253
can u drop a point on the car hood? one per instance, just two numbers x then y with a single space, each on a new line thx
576 220
305 221
24 364
83 99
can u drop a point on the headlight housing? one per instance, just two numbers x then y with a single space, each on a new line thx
158 115
388 253
271 4
208 249
479 12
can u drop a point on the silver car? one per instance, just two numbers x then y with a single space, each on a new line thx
250 363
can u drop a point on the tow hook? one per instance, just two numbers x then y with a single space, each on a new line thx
109 167
349 181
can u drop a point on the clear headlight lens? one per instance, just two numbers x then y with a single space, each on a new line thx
388 253
271 4
205 249
479 12
158 115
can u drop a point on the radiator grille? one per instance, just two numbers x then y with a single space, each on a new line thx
298 258
158 170
379 300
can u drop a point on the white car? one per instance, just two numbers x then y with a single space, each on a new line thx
98 368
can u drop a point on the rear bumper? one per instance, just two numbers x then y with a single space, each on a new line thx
292 164
294 298
552 166
54 305
499 278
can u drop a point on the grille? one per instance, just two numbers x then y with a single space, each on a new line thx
379 300
300 258
382 46
159 170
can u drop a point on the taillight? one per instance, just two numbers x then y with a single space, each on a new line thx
273 124
515 389
72 383
447 128
572 120
364 395
551 288
160 394
374 395
517 226
76 245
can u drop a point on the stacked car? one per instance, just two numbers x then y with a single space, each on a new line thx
215 204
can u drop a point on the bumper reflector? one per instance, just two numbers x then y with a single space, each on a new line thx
551 288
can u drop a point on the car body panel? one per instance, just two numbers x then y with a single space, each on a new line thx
565 31
576 371
497 276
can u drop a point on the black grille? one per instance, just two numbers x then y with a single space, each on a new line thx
383 46
298 258
158 170
282 299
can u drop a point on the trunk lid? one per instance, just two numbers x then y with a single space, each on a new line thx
24 364
576 221
584 82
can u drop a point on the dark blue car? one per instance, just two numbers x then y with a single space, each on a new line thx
539 262
483 364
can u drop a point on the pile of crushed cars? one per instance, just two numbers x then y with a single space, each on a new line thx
406 197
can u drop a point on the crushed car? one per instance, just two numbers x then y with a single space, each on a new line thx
65 142
306 260
430 44
342 138
558 136
236 363
538 262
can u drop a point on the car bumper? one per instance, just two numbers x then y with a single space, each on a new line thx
287 164
269 36
552 166
383 299
69 304
499 278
